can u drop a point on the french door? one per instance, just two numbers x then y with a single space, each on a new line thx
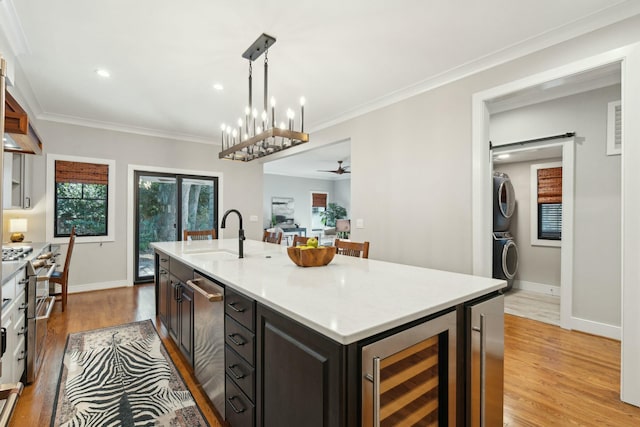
165 205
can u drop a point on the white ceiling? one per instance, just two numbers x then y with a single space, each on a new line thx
345 57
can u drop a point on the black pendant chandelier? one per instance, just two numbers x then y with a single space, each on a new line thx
259 135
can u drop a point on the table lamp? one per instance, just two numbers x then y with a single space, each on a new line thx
343 227
17 226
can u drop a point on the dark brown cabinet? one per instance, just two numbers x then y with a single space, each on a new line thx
300 375
174 302
239 328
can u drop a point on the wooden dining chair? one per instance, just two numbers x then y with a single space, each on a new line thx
199 234
272 237
299 240
62 277
357 249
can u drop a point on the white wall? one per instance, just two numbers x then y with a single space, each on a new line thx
413 186
97 265
300 189
537 264
597 242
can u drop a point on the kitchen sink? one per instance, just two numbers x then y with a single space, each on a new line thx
210 256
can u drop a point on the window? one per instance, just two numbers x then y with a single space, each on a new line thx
81 198
546 200
80 193
318 206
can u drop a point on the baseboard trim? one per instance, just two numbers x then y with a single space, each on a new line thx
540 288
98 286
596 328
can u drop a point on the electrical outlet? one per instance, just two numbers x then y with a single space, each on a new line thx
359 223
253 218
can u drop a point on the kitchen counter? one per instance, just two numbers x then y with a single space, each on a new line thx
10 268
347 301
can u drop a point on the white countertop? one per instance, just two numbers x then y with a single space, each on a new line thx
348 300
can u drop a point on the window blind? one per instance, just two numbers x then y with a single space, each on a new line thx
550 203
319 200
82 173
550 185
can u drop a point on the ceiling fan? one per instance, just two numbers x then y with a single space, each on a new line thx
340 169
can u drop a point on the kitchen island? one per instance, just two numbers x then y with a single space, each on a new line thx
309 328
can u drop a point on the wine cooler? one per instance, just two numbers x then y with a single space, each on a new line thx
409 378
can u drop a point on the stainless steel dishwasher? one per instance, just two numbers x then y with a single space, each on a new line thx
208 338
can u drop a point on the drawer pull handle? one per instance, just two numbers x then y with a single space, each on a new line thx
232 306
232 338
234 407
164 259
233 372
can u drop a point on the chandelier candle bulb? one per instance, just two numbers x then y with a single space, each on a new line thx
273 112
290 115
254 114
247 111
264 120
223 127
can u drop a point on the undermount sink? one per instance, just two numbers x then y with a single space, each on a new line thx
211 255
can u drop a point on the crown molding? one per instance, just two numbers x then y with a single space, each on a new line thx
117 127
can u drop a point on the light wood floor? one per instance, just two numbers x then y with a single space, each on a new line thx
533 305
553 377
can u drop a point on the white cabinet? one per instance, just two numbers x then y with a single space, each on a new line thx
16 184
13 320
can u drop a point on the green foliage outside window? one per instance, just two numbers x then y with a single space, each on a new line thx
83 206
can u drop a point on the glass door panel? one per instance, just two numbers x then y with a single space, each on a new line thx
198 204
166 204
156 218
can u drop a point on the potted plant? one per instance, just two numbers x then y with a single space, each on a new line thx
331 213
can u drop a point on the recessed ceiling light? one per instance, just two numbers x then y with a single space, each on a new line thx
504 156
218 86
103 73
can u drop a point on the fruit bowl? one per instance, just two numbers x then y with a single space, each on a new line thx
311 257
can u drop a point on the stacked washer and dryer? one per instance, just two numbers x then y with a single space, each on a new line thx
505 251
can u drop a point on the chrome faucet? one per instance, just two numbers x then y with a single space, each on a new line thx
241 237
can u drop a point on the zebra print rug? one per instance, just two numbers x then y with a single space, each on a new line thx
122 376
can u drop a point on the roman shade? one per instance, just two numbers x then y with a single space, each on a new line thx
82 173
550 185
319 200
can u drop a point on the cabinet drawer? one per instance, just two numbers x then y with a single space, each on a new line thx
240 372
163 260
240 339
239 410
240 308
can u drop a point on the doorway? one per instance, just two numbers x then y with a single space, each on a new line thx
543 267
165 205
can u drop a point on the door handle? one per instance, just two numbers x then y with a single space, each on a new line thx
232 338
376 392
482 330
207 295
